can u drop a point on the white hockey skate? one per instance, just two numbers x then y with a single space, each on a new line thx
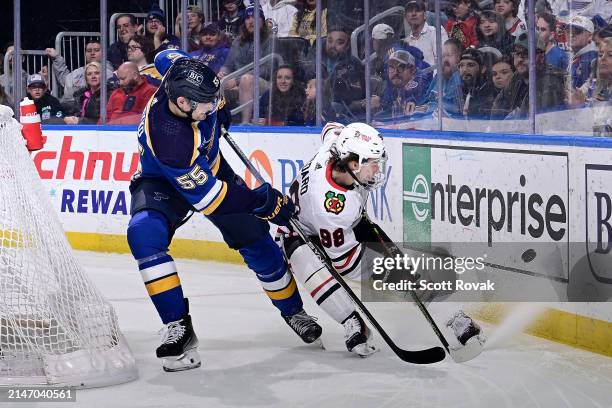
179 348
357 335
468 334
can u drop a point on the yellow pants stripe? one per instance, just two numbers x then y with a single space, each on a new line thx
283 293
163 285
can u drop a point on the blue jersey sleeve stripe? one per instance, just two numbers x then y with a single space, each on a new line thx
197 139
217 201
210 196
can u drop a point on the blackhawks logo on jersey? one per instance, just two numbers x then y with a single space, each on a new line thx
334 203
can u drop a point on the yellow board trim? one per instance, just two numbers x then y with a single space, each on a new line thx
568 328
162 285
283 294
180 248
574 330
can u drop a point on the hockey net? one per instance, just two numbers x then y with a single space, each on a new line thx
55 327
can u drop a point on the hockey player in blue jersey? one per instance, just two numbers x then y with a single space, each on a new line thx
182 171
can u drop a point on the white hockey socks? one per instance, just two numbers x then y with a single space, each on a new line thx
321 285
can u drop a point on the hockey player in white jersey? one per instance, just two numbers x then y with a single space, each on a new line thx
331 193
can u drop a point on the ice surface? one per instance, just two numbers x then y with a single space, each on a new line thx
250 358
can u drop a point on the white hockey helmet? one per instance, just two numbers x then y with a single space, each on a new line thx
367 144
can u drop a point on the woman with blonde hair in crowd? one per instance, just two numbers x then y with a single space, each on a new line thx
88 98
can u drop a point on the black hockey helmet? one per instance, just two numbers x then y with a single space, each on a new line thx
193 80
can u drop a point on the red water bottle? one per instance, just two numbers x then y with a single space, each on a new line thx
31 128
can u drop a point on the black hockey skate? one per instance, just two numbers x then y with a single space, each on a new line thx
304 326
356 336
179 348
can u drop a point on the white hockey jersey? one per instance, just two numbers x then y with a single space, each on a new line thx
330 211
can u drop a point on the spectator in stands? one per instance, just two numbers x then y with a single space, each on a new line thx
502 72
242 53
75 79
141 52
601 34
451 81
583 49
126 30
596 93
602 8
422 35
462 22
337 49
88 97
156 31
598 88
195 20
513 101
545 26
6 79
304 21
348 90
232 18
477 92
280 12
509 11
405 88
282 105
47 106
491 32
309 107
214 46
126 104
4 97
383 37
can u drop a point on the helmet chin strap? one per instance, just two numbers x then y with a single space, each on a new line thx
192 107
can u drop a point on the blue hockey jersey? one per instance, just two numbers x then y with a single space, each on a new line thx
186 153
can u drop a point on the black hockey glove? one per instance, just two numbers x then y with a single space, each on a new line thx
224 116
277 208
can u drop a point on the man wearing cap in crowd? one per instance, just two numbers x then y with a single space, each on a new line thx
195 21
155 29
583 49
382 38
477 92
422 35
47 106
405 87
214 47
513 100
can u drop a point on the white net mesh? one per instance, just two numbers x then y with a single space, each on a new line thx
55 327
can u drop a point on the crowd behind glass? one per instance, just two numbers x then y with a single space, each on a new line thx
484 62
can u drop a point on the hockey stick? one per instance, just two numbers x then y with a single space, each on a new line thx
472 348
427 356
